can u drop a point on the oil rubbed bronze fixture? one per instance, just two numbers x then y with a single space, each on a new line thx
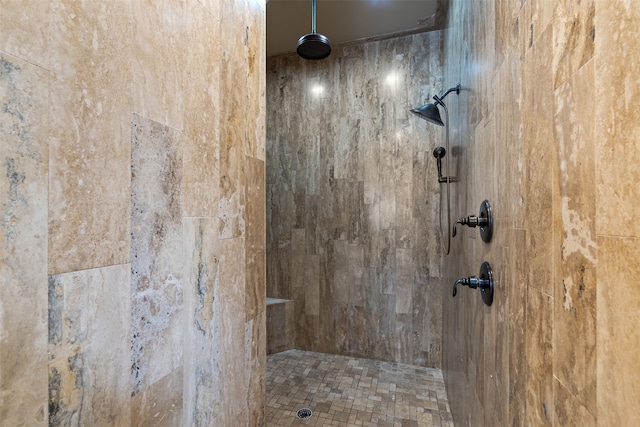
484 220
313 45
431 113
485 282
439 153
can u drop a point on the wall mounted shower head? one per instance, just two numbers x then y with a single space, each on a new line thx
430 112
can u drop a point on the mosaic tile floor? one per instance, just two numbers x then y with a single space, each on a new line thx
345 391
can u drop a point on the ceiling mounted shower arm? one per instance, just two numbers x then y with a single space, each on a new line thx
313 45
313 16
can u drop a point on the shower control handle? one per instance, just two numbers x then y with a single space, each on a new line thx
472 221
484 220
472 281
484 281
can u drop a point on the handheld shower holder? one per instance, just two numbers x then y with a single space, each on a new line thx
484 220
485 282
439 153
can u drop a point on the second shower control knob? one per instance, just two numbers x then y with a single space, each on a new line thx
472 282
484 281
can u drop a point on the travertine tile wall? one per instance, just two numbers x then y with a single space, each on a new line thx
352 199
132 198
548 132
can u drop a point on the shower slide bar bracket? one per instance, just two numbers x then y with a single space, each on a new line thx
439 153
485 282
445 179
484 220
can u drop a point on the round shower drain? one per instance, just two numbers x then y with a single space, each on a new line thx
304 413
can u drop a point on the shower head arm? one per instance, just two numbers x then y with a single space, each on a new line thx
439 99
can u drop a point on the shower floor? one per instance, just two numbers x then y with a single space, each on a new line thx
345 391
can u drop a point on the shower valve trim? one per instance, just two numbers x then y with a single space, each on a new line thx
485 282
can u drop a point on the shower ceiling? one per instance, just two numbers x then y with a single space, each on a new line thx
349 20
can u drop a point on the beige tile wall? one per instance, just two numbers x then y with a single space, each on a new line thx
352 199
549 134
132 200
24 157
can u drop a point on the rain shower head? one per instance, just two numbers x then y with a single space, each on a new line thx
430 112
313 45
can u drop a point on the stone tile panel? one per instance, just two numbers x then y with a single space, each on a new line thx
89 139
157 276
89 347
24 163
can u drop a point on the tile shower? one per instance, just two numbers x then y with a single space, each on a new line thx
547 132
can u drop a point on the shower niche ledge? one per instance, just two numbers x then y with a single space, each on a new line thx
281 331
